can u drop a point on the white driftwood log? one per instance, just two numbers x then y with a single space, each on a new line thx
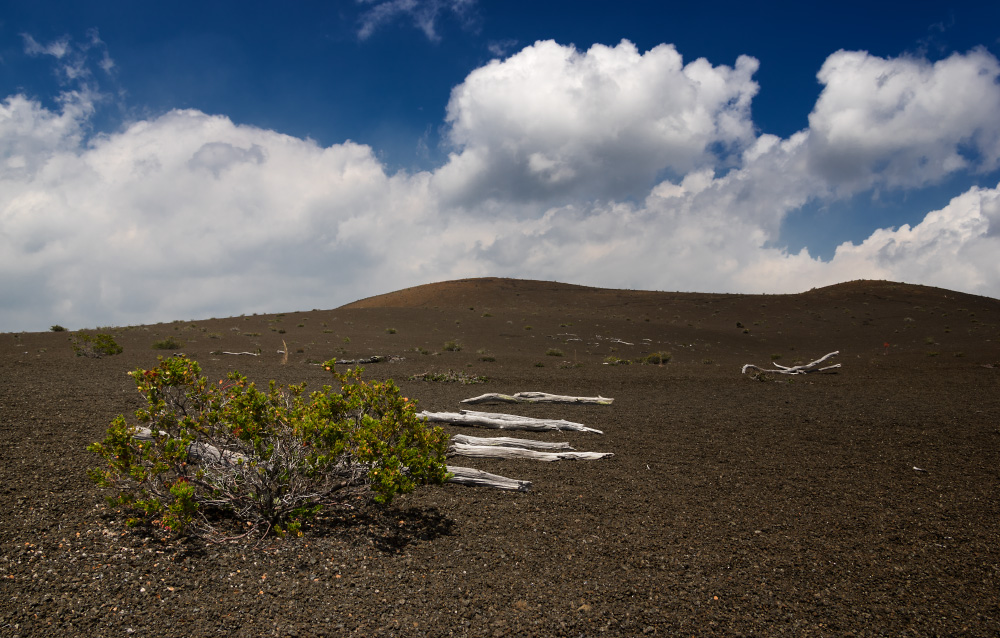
536 397
478 478
803 369
499 452
462 475
503 421
249 354
507 441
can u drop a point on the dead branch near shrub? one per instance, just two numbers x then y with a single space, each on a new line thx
503 421
536 397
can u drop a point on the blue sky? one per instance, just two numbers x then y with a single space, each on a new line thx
209 159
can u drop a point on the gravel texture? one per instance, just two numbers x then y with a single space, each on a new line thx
863 502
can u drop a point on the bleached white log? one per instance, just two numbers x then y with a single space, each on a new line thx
197 450
536 397
463 475
803 369
249 354
503 421
499 452
478 478
507 441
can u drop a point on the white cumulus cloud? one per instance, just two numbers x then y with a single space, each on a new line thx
905 122
604 167
554 122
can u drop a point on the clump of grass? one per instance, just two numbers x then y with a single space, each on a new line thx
612 360
452 346
554 352
391 331
450 377
539 364
488 358
167 344
527 327
421 350
656 358
775 356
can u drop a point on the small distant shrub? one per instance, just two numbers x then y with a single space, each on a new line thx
347 339
612 360
450 377
421 350
57 328
527 327
452 346
933 353
97 346
539 364
488 358
929 341
281 331
486 314
554 352
775 356
391 331
657 358
167 344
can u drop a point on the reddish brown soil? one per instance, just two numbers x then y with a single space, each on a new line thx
732 507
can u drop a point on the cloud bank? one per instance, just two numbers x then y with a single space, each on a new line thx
607 167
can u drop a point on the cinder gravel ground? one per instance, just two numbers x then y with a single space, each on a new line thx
732 507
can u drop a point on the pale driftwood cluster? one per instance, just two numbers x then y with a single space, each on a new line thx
536 397
497 421
812 366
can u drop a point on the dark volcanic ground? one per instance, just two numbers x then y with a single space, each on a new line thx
732 506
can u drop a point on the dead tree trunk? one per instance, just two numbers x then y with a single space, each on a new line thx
462 475
503 421
506 441
536 397
501 452
803 369
477 478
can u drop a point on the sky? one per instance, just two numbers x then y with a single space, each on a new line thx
191 160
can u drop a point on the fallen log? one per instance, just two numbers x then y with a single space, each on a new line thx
802 369
507 441
500 452
536 397
375 358
503 421
462 475
249 354
478 478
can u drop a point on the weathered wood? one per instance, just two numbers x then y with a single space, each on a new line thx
503 421
500 452
803 369
536 397
463 475
375 358
249 354
507 441
478 478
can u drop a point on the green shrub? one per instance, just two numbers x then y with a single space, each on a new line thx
657 358
612 360
263 461
452 346
57 328
99 345
167 344
554 352
450 377
391 331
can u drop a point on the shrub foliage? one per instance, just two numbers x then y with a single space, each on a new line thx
266 459
98 345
